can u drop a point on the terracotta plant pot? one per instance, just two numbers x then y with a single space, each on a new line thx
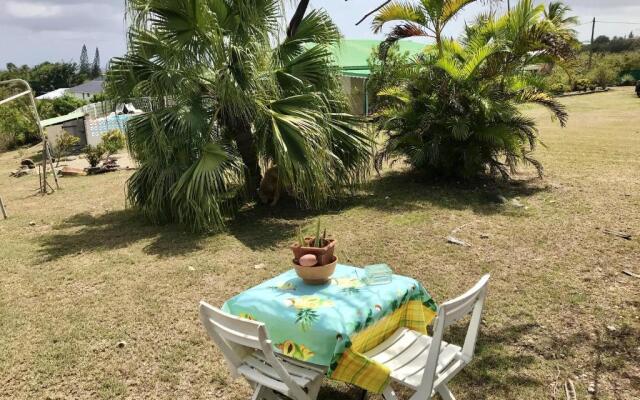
323 254
318 275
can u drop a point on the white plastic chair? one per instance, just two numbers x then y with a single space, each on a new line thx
249 353
426 364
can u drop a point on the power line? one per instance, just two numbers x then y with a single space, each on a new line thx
609 22
623 23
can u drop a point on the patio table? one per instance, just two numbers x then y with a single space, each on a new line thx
332 325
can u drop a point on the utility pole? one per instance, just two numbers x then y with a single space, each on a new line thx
509 5
593 31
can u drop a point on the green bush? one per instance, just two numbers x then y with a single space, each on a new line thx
604 76
98 97
57 107
627 80
577 74
17 124
113 141
558 88
459 115
392 71
65 143
581 85
95 154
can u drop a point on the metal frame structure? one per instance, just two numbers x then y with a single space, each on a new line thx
3 210
46 147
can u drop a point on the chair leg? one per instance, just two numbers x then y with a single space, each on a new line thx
257 392
389 394
445 393
261 393
314 388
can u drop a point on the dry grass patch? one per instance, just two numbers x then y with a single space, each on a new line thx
90 274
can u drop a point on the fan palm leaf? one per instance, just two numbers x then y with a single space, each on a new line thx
230 98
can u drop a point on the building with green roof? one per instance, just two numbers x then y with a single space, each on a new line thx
352 57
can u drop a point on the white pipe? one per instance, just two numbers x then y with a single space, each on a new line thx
14 97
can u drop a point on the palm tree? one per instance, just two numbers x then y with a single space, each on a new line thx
556 13
425 18
459 115
233 98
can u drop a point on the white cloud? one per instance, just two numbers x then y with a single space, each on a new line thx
33 31
32 10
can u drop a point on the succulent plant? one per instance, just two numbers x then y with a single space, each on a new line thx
317 236
318 241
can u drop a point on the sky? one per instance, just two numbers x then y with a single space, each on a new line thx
33 31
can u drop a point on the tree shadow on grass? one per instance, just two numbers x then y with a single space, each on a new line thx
263 227
116 230
406 191
340 391
496 369
615 356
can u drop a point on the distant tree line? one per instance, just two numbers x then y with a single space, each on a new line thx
45 77
604 44
49 76
17 121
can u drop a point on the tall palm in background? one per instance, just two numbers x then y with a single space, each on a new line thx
557 13
234 95
423 18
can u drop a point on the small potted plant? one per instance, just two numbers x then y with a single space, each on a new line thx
313 257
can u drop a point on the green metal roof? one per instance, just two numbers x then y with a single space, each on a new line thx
352 54
64 118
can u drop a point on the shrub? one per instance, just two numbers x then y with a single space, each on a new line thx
627 80
95 154
17 124
604 76
60 106
558 88
65 143
578 69
392 71
98 97
581 85
459 115
113 141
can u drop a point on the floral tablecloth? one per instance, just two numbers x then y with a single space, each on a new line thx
332 325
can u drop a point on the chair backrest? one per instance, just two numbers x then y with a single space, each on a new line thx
471 302
237 338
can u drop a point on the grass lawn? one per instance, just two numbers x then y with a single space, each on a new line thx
81 273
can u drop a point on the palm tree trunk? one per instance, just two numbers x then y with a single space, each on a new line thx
438 35
249 154
297 17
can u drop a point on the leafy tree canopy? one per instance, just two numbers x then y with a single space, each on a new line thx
45 77
604 44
